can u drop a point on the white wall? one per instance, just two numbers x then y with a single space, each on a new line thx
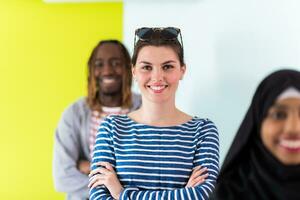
230 45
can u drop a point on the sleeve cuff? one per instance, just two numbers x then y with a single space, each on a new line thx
125 195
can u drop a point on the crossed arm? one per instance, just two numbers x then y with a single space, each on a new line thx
106 175
105 184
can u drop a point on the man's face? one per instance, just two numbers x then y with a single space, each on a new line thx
109 66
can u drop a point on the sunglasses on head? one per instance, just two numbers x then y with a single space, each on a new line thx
168 33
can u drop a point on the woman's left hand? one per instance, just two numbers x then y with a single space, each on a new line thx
198 176
107 176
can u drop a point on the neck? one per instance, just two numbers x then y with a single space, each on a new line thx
111 100
159 114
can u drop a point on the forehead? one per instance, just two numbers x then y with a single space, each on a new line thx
157 54
288 103
106 51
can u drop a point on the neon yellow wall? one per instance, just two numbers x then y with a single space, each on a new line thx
44 50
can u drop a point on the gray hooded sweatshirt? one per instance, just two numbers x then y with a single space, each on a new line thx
71 145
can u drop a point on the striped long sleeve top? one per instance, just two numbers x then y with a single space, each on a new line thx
156 162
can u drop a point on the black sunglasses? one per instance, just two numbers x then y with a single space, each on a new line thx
147 33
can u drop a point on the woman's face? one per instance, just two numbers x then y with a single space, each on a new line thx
109 66
280 131
157 72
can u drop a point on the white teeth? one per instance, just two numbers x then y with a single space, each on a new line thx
108 80
157 87
294 144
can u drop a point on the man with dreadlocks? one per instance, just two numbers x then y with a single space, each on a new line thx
109 92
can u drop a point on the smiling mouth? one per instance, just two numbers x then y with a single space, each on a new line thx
157 88
109 80
290 145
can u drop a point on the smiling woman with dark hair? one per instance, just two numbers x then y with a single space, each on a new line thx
109 92
264 159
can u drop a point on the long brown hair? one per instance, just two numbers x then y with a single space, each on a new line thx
93 99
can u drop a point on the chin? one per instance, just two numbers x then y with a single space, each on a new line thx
160 100
111 93
110 90
289 160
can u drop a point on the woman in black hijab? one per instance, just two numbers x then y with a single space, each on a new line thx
263 161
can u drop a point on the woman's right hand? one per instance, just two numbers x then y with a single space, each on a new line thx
198 176
106 175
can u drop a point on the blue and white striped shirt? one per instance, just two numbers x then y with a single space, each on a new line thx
156 162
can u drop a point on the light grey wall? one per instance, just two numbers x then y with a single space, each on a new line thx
230 45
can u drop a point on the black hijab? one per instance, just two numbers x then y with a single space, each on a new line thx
249 170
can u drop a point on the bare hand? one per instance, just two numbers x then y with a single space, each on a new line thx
84 166
198 176
106 175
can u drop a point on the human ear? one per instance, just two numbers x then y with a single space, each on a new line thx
182 69
133 72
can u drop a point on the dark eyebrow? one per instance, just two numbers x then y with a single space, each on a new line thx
112 58
169 61
279 106
145 62
164 63
284 107
115 58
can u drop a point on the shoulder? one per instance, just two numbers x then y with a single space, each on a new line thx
76 110
205 126
233 185
113 121
207 136
202 122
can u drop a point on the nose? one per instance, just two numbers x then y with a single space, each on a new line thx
107 69
157 75
292 124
